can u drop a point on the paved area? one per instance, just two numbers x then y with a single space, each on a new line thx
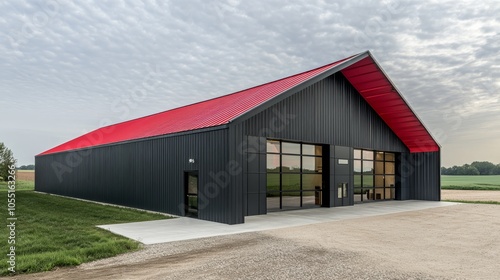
153 232
455 242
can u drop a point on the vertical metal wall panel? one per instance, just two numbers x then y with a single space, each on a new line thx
426 176
235 169
328 112
420 176
255 175
147 174
402 191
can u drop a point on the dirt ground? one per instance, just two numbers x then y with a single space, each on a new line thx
470 195
25 175
453 242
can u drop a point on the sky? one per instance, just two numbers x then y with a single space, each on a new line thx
69 67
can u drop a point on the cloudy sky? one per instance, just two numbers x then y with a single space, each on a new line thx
67 68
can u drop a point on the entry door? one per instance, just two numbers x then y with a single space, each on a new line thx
343 191
191 193
343 194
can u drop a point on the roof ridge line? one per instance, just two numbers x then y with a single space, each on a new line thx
239 91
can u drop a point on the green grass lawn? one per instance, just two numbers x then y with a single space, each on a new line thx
20 186
53 231
486 182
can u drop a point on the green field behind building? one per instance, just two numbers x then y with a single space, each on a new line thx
477 182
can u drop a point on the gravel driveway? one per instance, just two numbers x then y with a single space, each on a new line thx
470 195
454 242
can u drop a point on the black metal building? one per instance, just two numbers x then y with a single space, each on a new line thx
333 136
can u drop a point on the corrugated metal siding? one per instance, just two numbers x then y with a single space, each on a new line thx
426 176
149 173
146 174
254 175
328 112
235 175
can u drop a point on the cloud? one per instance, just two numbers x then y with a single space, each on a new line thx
68 67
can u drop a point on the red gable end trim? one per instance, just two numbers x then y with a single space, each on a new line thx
209 113
372 83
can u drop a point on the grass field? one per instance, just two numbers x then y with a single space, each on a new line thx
487 182
25 181
53 231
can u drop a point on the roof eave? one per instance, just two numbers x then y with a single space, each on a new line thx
402 97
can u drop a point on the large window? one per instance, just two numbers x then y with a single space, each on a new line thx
374 175
294 175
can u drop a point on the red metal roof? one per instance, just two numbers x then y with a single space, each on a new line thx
209 113
376 88
365 76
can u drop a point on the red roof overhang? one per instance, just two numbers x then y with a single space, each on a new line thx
378 91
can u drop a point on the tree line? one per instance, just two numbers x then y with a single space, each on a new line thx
26 167
475 168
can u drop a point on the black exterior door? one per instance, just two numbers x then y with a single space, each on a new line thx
344 194
191 193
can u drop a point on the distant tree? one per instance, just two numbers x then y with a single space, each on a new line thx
6 160
475 168
484 167
496 170
27 167
444 171
470 170
461 170
455 170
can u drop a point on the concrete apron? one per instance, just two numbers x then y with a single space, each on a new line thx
183 228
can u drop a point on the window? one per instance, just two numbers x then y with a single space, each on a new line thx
313 150
374 175
273 163
312 164
273 146
357 154
290 148
290 163
294 175
342 190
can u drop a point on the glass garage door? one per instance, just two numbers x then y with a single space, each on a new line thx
374 175
294 175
